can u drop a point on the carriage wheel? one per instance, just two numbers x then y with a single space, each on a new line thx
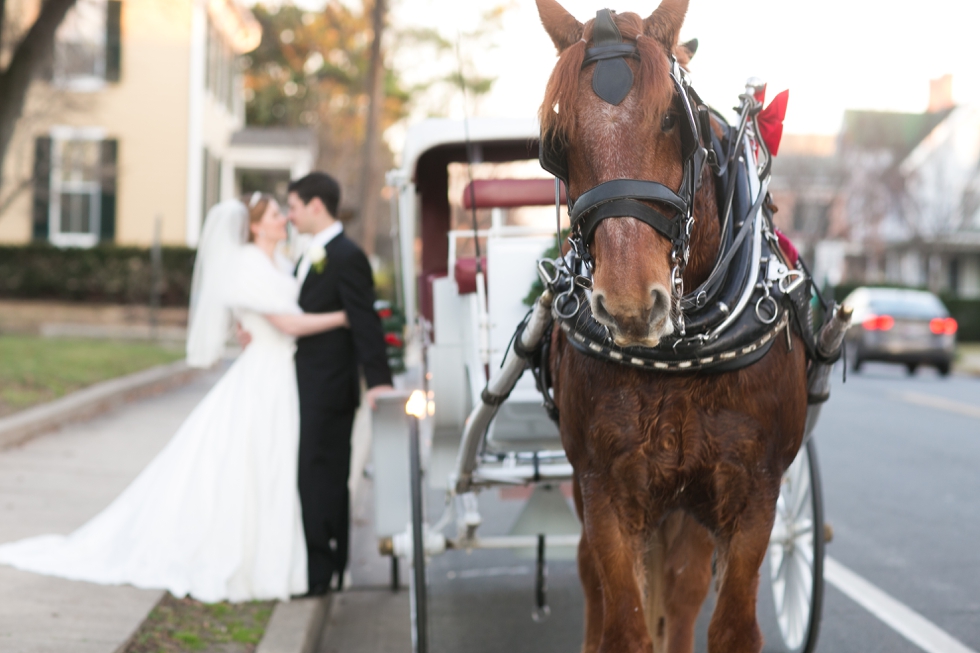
796 550
420 611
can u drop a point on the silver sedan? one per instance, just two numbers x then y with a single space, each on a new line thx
910 327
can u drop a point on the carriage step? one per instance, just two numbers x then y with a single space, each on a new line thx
828 532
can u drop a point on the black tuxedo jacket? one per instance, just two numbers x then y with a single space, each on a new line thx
327 364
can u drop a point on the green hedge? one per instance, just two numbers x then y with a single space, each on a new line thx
966 312
109 274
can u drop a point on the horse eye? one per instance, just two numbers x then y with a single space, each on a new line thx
668 122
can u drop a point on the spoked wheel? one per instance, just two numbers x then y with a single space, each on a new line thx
796 550
419 594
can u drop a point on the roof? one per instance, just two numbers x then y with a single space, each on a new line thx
274 137
889 130
434 132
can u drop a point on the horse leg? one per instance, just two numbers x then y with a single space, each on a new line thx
591 583
687 578
655 608
617 555
734 627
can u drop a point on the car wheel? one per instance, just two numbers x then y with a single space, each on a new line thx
911 367
943 368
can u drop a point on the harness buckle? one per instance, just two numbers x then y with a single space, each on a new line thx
549 280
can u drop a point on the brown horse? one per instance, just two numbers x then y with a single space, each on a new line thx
667 468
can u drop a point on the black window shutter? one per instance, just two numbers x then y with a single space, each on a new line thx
42 187
113 41
107 220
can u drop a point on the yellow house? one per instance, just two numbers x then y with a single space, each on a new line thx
133 122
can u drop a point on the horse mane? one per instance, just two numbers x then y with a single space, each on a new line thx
652 81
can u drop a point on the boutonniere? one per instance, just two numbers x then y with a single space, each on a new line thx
318 258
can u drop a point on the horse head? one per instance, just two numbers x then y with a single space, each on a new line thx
619 117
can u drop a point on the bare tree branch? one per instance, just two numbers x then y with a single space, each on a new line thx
21 186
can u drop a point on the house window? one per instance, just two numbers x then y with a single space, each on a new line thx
75 187
221 74
87 50
811 218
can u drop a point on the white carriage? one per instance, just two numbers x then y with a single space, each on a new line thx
462 314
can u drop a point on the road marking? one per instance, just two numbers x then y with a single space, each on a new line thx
491 572
899 617
941 403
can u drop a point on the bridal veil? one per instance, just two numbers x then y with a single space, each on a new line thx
209 319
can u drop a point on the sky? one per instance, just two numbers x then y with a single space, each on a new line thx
832 55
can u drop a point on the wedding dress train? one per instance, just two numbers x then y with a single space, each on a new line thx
216 514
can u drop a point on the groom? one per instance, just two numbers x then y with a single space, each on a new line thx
334 275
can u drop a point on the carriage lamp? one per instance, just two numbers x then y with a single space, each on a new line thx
417 405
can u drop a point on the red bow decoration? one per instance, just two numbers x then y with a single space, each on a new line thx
789 249
771 121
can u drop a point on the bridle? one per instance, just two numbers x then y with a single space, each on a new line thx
716 328
612 80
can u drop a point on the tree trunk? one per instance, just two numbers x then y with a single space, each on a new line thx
3 15
375 79
29 54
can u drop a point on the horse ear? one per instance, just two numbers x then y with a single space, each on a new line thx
691 47
664 24
561 26
684 52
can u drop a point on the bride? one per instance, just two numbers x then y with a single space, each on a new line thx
216 514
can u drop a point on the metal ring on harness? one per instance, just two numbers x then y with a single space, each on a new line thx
561 299
582 282
790 281
548 279
758 309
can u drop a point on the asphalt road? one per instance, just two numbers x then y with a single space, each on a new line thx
900 461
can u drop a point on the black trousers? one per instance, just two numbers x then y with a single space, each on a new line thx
324 468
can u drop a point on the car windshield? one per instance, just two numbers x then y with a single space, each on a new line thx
906 304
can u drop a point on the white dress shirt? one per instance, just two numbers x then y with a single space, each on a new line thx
319 240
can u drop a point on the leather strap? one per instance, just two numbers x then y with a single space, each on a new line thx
603 52
630 208
621 189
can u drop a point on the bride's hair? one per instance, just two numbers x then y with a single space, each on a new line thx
256 203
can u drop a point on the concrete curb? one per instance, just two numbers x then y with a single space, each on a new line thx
296 626
91 401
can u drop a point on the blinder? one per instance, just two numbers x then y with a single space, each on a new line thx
612 78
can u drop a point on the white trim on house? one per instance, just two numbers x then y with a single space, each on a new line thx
294 160
195 122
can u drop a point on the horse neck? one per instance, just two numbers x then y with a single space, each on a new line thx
706 234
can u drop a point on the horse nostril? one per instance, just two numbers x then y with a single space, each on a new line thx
601 312
661 306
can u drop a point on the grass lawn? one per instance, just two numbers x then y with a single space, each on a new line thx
34 370
177 625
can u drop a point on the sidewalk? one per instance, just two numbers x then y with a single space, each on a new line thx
55 483
969 361
368 617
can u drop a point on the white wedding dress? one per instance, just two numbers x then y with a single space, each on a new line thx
216 514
